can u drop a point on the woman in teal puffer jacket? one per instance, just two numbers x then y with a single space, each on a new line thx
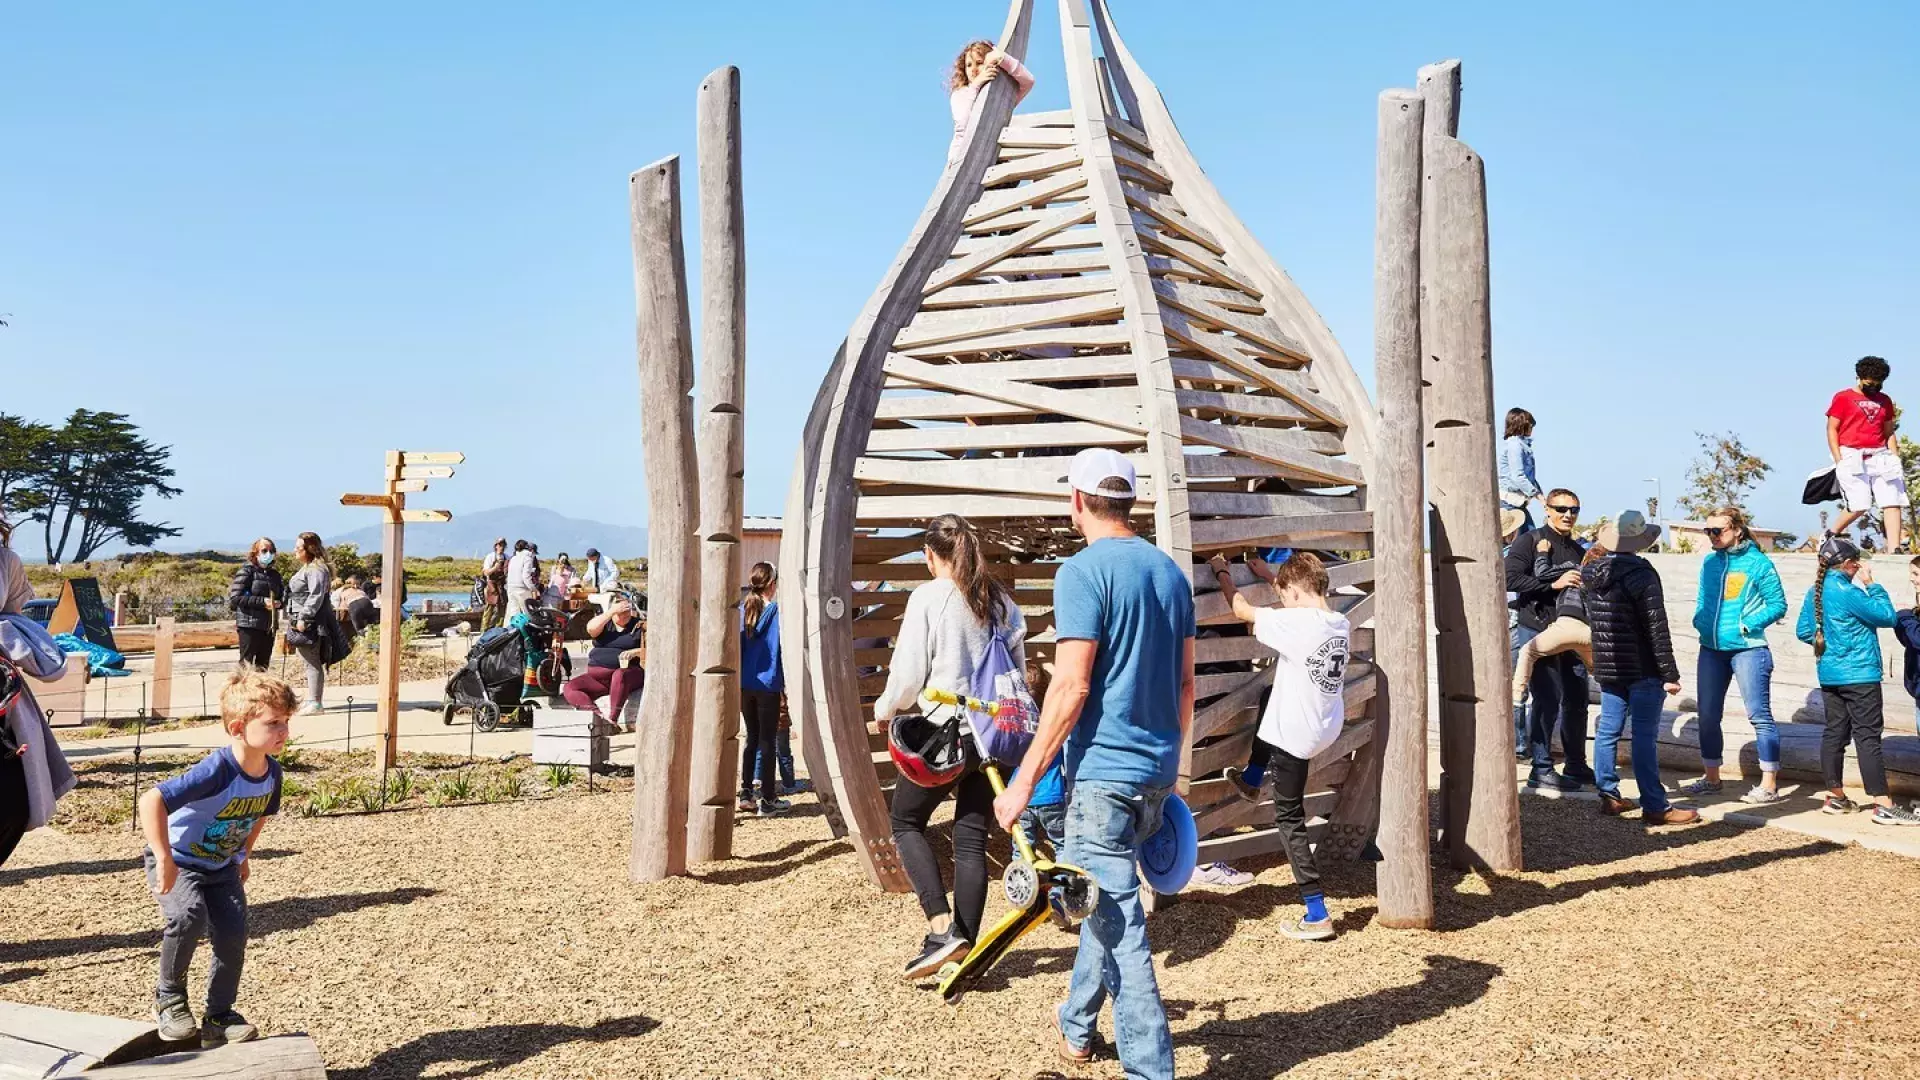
1740 596
1842 619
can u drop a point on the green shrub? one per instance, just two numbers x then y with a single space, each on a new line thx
457 788
324 799
509 786
399 786
559 776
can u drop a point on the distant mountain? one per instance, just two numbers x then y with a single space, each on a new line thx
469 535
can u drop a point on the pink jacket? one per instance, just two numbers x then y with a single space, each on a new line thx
961 100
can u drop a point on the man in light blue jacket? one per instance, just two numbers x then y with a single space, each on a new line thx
1740 596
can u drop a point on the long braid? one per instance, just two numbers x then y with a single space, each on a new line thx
1820 613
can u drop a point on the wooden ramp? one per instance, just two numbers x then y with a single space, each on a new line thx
1077 281
39 1043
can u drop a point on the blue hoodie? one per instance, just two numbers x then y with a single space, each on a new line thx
760 652
1740 596
1853 620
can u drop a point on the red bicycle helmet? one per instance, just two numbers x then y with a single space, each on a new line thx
927 752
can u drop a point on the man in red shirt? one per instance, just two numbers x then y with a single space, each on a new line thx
1866 450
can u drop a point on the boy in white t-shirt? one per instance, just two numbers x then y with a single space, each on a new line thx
1304 713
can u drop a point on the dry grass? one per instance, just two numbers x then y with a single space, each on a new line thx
503 940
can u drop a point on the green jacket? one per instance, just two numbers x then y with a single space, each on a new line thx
1740 596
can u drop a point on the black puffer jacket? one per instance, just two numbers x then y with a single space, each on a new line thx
1627 610
248 595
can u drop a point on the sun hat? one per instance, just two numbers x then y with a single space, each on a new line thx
1511 518
1097 463
1629 533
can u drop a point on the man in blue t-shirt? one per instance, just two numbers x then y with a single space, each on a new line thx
1122 704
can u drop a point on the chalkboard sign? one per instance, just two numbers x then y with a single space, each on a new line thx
82 612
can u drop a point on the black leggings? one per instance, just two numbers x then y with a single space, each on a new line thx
761 711
912 808
13 802
256 647
1289 813
1853 711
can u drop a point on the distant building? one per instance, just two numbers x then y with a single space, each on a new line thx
1694 535
759 542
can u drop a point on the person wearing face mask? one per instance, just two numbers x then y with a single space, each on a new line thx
255 597
1740 596
1866 451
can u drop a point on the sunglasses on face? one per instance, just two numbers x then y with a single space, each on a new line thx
1570 511
1720 531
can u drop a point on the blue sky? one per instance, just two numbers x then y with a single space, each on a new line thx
287 239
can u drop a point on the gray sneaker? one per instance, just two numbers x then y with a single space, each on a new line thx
1701 787
1895 815
227 1027
774 807
1760 796
1302 929
174 1019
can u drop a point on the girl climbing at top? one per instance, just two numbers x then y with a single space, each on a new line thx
977 65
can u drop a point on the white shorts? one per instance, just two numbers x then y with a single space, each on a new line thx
1870 477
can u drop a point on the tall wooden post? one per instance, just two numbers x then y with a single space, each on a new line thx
723 364
1396 494
393 563
665 346
161 707
1482 823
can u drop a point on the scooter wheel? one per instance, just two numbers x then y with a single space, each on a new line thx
446 713
1078 899
1021 883
486 716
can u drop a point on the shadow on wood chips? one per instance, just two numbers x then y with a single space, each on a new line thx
485 1049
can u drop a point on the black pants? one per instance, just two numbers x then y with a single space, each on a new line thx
256 647
912 808
761 711
1289 775
1559 689
1853 711
13 802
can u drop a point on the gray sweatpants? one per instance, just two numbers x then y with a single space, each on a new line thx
203 902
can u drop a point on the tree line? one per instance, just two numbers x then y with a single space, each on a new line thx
83 482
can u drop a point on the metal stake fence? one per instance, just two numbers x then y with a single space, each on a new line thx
203 694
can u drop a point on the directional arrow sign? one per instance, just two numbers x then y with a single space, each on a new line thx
425 472
431 457
364 500
426 515
409 485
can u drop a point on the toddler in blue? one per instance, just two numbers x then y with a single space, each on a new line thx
200 828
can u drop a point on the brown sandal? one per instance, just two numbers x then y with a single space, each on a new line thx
1078 1055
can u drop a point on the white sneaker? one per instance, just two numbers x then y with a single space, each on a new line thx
1219 873
311 708
1761 796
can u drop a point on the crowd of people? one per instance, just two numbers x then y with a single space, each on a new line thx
1596 609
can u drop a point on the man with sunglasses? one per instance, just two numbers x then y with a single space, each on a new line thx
1559 685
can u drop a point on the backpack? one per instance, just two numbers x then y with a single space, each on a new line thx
1003 738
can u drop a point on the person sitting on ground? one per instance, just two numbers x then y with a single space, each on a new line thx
1306 711
494 592
599 575
761 683
200 829
1740 596
1633 662
612 664
1568 630
1841 618
977 65
945 633
1559 686
255 597
1518 484
1865 445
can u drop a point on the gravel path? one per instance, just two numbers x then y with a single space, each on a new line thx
504 941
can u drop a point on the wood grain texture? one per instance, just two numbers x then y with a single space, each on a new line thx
664 342
1397 491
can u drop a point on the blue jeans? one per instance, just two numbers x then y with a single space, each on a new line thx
1047 824
1518 636
782 754
1106 823
1559 689
1754 668
1640 701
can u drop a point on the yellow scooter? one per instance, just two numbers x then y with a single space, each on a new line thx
1031 882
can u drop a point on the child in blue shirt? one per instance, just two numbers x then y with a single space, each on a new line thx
200 827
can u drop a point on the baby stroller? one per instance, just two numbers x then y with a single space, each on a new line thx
507 667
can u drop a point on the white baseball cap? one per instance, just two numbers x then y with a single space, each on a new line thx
1094 464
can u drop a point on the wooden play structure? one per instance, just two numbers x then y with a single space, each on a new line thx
1076 280
38 1042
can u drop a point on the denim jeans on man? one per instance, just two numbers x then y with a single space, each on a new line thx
1754 669
1106 823
1559 689
1518 636
1639 702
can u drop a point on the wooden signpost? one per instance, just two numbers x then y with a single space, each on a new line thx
407 470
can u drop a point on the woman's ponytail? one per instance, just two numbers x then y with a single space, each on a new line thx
955 540
1820 612
759 579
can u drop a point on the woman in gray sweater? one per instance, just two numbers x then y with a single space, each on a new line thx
949 623
309 608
